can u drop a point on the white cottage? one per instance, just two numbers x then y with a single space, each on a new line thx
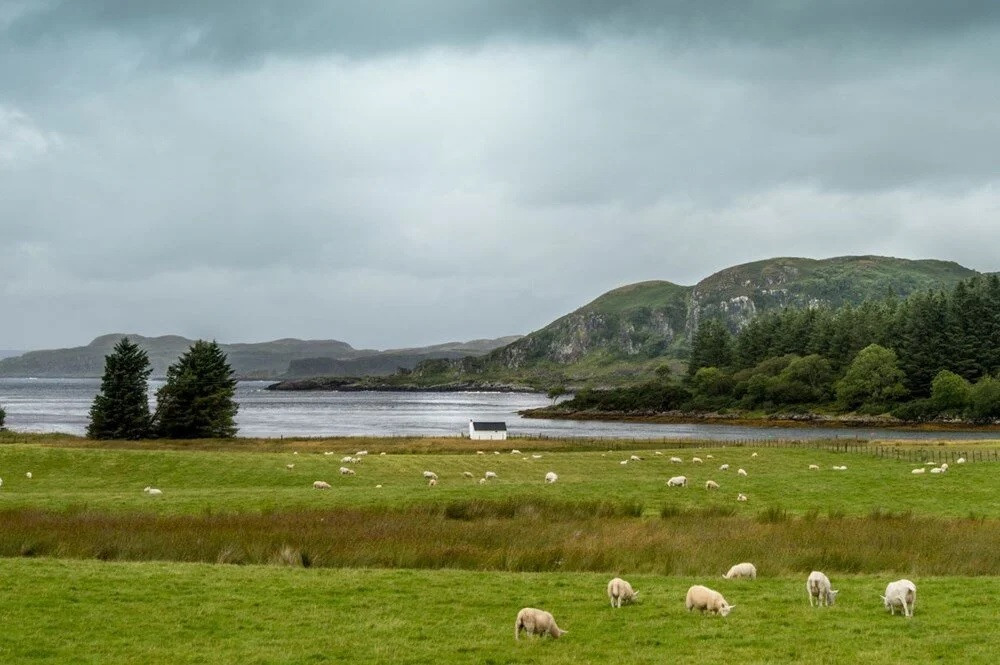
485 430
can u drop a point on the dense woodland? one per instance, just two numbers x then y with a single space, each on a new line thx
934 355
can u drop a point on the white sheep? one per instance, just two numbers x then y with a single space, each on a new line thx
329 452
289 466
361 453
753 455
346 459
657 453
937 469
696 460
711 485
490 475
344 471
321 485
635 458
152 491
918 471
676 460
703 599
536 622
818 586
1 482
741 497
480 452
900 593
623 462
814 467
432 482
515 451
551 477
944 466
960 460
620 591
677 481
28 475
741 571
741 472
382 454
482 481
724 467
536 457
496 452
710 456
430 475
467 474
840 468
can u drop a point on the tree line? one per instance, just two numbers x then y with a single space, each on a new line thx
195 402
933 355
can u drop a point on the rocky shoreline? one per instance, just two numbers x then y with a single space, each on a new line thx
810 420
347 384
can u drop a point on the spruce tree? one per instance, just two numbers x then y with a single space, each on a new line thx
197 399
3 416
712 346
121 409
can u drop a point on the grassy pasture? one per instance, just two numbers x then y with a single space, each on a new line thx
109 613
111 479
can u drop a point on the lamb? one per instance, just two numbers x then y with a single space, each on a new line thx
818 586
814 467
344 471
28 475
724 467
918 471
960 460
635 458
432 482
551 477
676 460
536 622
753 455
623 462
289 466
741 472
677 481
152 491
467 474
515 451
900 592
321 485
430 475
482 481
741 571
490 475
711 485
696 460
741 497
703 599
620 591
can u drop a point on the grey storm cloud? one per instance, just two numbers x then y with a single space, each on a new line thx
398 173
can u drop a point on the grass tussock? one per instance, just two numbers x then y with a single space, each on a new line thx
480 536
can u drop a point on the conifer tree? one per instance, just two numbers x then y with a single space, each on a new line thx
197 399
712 346
121 409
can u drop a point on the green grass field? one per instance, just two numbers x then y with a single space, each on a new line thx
96 571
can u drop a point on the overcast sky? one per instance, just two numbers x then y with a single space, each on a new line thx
396 173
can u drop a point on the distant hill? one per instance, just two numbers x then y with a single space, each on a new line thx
623 335
264 360
9 353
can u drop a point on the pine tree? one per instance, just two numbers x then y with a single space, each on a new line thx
3 416
712 346
197 399
121 409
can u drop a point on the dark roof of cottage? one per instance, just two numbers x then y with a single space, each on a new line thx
489 427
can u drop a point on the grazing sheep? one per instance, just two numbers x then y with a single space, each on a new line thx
696 460
741 472
724 467
1 482
346 460
480 452
361 453
711 485
490 475
918 471
753 455
344 471
944 466
515 451
321 485
635 458
677 481
378 487
814 467
496 452
152 491
676 460
536 457
536 622
329 452
840 468
623 462
28 475
482 481
467 474
432 482
289 466
703 599
430 475
382 454
960 460
710 456
620 591
657 453
900 593
818 586
741 497
551 477
742 571
930 463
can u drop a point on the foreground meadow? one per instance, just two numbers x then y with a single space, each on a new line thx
109 613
